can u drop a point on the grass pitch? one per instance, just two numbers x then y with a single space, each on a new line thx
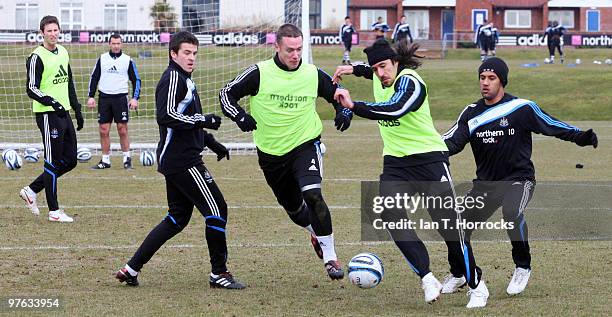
114 210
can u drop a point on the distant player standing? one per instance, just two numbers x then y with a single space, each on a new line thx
110 76
498 128
380 28
488 36
401 31
287 130
346 36
554 36
50 84
188 181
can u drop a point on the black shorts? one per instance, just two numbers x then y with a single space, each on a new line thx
347 45
291 174
113 108
486 44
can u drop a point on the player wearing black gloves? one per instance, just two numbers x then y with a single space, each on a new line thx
498 128
49 83
188 182
286 130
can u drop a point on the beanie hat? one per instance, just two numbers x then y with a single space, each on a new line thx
379 51
496 65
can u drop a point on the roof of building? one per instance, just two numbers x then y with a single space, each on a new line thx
374 4
577 4
518 3
429 3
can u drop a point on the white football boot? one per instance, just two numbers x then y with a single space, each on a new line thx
519 281
452 284
478 296
431 287
29 196
59 216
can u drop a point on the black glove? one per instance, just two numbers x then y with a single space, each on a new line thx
60 111
218 148
211 121
587 137
245 122
343 119
79 118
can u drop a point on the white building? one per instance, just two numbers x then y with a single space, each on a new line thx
135 14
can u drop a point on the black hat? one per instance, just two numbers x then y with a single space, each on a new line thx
496 65
379 51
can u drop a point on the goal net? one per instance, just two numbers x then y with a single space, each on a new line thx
233 34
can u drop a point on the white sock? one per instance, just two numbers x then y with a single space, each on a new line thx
327 245
106 158
131 270
310 230
29 190
125 156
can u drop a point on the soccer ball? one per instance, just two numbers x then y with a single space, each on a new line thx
12 160
547 60
31 155
366 270
608 61
83 154
147 158
578 61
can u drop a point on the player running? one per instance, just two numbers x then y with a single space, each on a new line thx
414 157
287 130
498 128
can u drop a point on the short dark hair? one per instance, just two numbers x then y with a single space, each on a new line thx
48 19
115 36
403 16
287 30
347 17
179 38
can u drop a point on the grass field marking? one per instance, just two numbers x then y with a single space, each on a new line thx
165 206
348 180
265 245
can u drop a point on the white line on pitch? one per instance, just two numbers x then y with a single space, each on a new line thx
268 245
165 206
269 207
542 183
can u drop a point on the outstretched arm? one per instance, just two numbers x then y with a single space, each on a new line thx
540 122
409 96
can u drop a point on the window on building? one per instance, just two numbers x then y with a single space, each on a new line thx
517 19
115 17
368 17
419 23
293 13
71 15
565 17
200 15
26 16
315 14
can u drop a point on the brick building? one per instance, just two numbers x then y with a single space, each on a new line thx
430 19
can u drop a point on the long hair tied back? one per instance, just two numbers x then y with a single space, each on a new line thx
406 54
